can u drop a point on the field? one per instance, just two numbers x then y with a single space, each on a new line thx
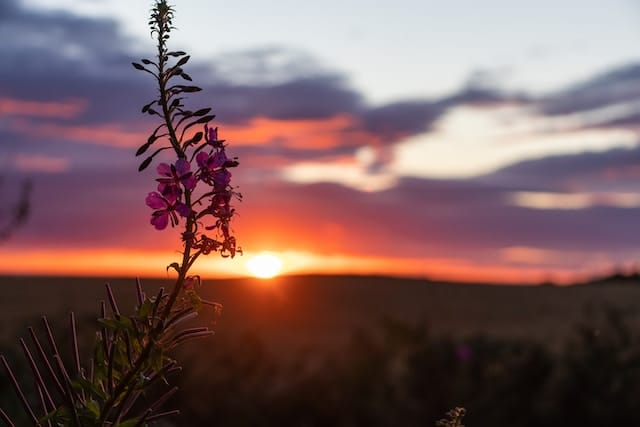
377 351
313 312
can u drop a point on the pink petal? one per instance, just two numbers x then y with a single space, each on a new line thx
222 179
171 192
160 220
190 183
182 167
155 201
219 159
202 159
213 134
164 169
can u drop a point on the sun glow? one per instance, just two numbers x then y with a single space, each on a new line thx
264 266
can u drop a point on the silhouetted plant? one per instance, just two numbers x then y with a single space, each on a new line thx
113 385
16 214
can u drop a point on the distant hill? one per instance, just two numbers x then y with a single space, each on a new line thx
618 278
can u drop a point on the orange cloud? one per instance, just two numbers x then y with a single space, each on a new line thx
316 134
300 134
59 110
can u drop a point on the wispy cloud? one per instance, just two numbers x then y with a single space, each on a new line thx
66 109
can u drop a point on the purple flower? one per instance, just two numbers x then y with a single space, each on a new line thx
212 169
211 161
165 210
175 176
221 179
212 136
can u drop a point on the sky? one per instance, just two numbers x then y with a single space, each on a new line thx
412 138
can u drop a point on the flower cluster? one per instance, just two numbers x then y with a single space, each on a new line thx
130 355
175 193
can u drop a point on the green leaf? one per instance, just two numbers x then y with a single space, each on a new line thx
133 422
145 310
59 415
186 76
138 66
90 388
177 53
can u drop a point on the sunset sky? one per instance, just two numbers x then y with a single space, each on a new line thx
403 137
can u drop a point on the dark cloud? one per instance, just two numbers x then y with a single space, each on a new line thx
400 119
572 172
616 86
303 98
55 56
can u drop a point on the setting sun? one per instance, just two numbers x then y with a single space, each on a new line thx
264 266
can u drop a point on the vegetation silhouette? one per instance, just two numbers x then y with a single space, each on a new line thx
16 214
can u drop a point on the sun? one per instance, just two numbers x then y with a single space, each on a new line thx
264 266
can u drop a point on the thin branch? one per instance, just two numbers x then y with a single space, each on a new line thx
74 344
52 341
71 397
19 392
103 331
44 404
112 301
111 356
44 358
6 419
139 292
38 378
143 418
162 399
127 403
163 414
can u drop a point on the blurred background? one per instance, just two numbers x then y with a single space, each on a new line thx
409 138
397 160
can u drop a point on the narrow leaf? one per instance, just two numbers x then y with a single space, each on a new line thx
196 138
183 61
202 112
145 164
144 147
146 107
175 266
